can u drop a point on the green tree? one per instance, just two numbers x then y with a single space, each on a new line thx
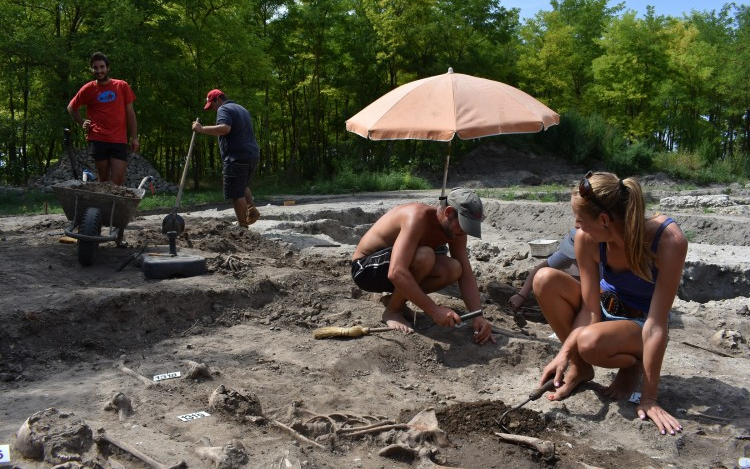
558 48
628 75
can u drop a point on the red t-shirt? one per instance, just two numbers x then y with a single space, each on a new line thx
105 107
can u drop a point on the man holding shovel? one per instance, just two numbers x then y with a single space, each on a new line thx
239 152
404 254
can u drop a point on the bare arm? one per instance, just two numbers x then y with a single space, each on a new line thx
77 118
517 300
467 283
216 130
412 225
132 128
670 261
587 251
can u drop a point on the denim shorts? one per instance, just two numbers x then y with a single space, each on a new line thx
609 317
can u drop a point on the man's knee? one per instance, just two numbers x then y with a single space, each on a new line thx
424 258
448 269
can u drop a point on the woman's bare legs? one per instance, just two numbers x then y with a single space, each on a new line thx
559 297
614 344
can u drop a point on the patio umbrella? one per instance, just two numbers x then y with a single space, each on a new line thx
443 106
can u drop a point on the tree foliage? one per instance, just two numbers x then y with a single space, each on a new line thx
303 67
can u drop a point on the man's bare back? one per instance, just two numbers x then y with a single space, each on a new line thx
419 219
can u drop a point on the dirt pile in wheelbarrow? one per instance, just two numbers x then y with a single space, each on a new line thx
109 188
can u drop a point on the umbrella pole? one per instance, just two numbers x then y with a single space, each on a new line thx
445 171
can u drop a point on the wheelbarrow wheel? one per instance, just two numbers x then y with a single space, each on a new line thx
91 225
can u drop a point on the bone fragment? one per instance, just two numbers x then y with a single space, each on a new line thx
371 429
196 370
121 404
365 427
423 454
112 463
135 375
230 456
545 448
295 434
135 452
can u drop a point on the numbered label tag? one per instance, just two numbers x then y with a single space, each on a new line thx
193 416
4 453
174 374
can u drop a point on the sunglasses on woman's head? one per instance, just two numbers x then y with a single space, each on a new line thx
587 192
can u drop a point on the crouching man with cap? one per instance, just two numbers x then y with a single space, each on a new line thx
403 254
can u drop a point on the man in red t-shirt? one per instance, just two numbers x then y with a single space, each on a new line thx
110 115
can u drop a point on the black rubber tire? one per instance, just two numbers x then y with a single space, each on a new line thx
91 225
180 266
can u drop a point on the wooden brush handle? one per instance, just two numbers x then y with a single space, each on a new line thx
378 329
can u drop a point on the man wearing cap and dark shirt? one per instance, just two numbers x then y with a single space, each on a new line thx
563 259
239 152
403 254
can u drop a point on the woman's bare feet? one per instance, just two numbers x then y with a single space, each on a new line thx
578 372
625 382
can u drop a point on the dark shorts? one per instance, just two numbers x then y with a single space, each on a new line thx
370 273
100 151
237 176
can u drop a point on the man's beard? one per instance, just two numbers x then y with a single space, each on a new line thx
103 79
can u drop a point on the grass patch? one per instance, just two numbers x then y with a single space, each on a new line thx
693 167
348 182
28 203
548 193
33 202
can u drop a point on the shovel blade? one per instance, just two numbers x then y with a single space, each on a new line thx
173 222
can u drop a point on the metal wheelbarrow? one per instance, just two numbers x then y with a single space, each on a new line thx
88 211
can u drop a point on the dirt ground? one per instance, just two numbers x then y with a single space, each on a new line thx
75 339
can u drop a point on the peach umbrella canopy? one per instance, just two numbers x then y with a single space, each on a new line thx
443 106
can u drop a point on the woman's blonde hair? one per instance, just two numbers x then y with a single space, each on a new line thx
621 199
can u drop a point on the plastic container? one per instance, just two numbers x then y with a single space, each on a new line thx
88 175
543 247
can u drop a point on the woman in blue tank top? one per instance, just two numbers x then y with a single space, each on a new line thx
617 315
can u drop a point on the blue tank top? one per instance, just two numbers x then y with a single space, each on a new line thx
632 290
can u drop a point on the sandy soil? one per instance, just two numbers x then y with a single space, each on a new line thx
74 337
